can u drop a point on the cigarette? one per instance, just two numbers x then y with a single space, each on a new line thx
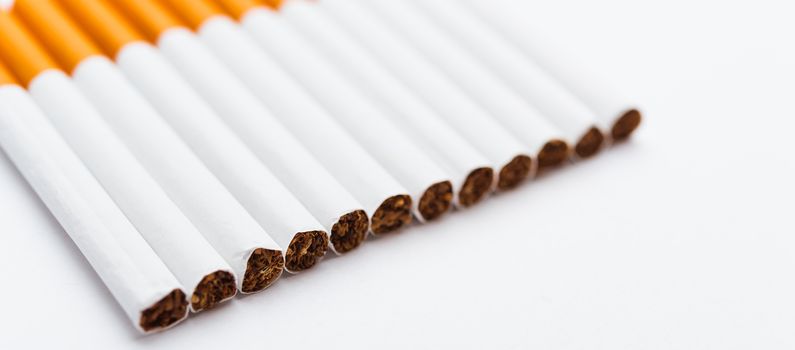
471 172
256 187
447 99
524 76
613 111
332 208
366 180
143 286
207 278
233 233
353 121
198 125
525 121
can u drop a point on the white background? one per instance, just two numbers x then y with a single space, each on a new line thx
681 239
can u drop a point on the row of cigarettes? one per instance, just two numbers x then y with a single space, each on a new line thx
194 148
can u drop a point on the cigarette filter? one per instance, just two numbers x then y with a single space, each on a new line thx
519 116
563 109
614 112
139 281
351 113
317 190
207 278
467 117
383 199
471 172
247 247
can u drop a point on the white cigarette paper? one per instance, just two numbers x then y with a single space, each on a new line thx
471 172
525 121
139 281
467 117
563 109
330 203
277 210
351 113
370 184
614 111
224 154
170 234
198 194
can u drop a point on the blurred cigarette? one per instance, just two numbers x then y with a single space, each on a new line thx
471 172
351 113
254 254
520 117
613 110
205 275
139 281
467 117
560 106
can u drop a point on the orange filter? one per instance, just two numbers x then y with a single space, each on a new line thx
149 16
274 3
194 12
6 78
62 37
108 28
21 52
238 8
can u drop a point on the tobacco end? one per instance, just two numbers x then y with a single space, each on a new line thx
553 154
212 290
590 144
626 125
263 268
305 250
394 213
477 184
166 312
349 231
513 173
436 200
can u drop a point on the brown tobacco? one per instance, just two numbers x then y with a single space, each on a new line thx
305 250
590 144
476 186
213 289
436 200
166 312
350 231
515 172
263 268
553 154
626 125
393 214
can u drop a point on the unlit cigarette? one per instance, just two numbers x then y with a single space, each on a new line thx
560 106
360 118
198 194
521 118
613 110
470 170
245 245
467 117
207 278
331 204
372 186
243 173
139 281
